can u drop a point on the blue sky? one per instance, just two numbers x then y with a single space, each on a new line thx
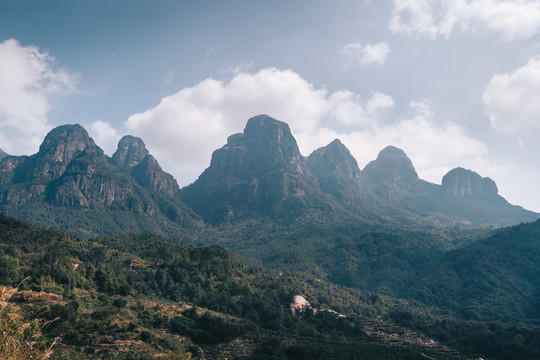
451 83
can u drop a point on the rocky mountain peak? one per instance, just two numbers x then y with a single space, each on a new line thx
149 174
272 139
266 145
65 142
461 182
3 154
333 158
58 149
262 166
130 152
392 173
392 164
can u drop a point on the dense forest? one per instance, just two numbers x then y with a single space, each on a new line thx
136 296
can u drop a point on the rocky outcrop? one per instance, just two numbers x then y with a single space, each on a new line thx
3 154
72 173
392 174
334 158
461 183
149 174
133 157
131 151
336 170
60 146
255 173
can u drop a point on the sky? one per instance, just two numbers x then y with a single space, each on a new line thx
452 83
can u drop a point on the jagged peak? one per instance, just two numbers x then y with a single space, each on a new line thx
3 154
392 172
65 142
464 182
268 127
269 143
333 157
130 152
392 156
263 120
72 138
392 152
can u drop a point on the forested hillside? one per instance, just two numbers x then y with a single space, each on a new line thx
136 296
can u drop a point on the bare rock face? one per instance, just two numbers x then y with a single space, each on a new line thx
60 146
29 176
131 151
3 154
133 157
392 174
462 183
255 173
149 174
336 170
84 184
70 173
333 158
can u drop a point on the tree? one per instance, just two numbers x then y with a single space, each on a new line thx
9 270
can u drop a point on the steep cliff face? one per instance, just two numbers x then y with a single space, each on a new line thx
60 146
336 170
72 174
392 174
131 151
255 173
3 154
460 182
133 157
333 158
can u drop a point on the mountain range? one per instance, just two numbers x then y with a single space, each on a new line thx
72 185
259 173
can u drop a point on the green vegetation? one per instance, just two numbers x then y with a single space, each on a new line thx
138 296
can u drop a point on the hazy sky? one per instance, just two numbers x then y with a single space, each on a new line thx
452 83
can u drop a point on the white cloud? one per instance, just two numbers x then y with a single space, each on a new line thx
414 18
365 55
187 126
349 109
511 99
434 149
184 129
29 77
516 19
104 135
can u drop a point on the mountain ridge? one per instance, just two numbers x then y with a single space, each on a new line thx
259 175
70 175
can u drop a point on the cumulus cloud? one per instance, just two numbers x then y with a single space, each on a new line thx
186 127
511 99
434 149
105 135
516 19
29 77
364 55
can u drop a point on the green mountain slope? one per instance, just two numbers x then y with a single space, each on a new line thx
494 279
143 294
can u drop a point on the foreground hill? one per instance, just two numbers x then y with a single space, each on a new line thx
71 184
497 278
141 296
